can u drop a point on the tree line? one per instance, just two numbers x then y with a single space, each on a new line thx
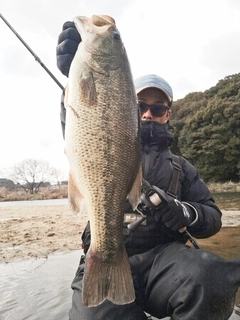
206 129
32 174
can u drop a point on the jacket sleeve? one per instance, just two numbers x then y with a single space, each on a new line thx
196 193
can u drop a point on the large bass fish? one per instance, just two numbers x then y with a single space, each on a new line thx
103 148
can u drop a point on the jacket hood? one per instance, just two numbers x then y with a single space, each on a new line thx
156 134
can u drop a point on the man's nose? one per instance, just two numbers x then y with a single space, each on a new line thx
147 115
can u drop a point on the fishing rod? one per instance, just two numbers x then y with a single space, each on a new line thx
30 50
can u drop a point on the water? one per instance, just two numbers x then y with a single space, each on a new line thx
227 200
50 202
38 289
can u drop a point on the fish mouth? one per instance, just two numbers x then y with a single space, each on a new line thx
97 24
101 20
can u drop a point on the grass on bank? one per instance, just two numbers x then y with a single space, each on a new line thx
42 194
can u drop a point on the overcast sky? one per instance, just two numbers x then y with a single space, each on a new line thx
191 43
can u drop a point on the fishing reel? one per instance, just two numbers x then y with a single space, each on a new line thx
151 198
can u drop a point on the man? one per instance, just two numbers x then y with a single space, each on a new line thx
170 278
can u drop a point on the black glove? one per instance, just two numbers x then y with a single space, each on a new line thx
68 42
174 214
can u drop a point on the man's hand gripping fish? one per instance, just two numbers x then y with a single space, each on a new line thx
103 148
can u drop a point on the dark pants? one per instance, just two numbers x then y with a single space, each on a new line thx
170 280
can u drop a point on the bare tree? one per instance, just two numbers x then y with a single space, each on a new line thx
58 175
30 174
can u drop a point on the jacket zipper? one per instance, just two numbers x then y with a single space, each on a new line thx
146 164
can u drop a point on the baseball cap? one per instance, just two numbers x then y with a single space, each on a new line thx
154 81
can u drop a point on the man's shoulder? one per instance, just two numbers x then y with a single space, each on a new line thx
188 169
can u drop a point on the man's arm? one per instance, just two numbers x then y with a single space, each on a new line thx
195 208
68 42
196 194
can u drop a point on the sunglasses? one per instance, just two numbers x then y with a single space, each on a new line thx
157 110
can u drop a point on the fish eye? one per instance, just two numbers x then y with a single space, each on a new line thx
116 36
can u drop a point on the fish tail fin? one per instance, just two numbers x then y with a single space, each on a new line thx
107 280
135 192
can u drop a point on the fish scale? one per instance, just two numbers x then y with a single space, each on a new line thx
103 148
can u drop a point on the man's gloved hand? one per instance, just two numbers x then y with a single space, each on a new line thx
68 42
174 214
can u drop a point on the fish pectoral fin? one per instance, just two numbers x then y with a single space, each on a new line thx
74 196
135 192
87 94
111 280
88 90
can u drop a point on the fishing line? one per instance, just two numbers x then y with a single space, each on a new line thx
31 51
21 282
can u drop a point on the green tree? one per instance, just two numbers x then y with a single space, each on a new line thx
210 140
206 130
182 110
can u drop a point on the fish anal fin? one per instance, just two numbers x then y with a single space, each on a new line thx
135 192
74 196
107 280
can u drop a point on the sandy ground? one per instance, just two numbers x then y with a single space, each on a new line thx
37 231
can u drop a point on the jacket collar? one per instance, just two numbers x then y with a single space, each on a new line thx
156 134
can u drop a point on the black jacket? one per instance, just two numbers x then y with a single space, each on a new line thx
157 170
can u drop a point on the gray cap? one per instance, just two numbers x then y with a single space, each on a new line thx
154 81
